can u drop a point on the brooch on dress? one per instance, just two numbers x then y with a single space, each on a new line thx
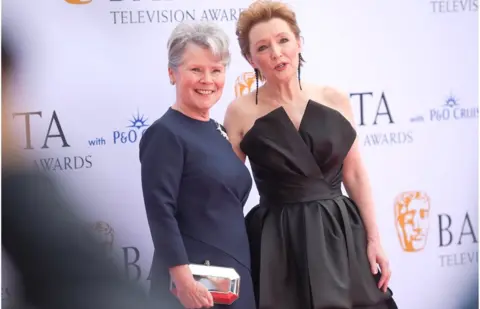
221 130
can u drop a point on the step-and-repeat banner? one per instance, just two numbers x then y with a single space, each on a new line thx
92 77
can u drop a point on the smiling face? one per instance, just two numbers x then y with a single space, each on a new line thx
274 50
199 79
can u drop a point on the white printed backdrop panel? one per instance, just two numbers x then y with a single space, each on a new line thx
97 71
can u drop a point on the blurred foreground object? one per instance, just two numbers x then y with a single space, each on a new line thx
58 262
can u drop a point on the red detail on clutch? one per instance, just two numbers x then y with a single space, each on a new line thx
218 297
224 298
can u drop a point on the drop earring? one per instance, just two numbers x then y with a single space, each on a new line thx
256 90
300 60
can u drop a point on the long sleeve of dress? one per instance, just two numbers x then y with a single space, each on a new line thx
162 159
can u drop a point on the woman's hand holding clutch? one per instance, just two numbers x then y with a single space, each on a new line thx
194 296
191 294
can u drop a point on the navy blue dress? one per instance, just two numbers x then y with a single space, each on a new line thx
194 189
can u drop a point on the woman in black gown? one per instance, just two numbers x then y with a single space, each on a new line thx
312 247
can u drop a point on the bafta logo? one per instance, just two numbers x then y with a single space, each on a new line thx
412 211
244 84
105 235
78 1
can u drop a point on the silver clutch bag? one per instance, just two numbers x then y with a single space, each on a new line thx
222 282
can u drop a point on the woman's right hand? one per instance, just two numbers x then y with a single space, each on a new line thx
194 295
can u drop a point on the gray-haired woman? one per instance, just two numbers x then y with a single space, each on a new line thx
194 185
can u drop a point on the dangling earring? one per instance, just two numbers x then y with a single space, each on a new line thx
256 91
300 60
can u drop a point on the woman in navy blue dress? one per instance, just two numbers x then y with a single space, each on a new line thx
194 185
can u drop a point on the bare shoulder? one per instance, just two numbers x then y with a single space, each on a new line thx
238 112
237 119
238 107
333 98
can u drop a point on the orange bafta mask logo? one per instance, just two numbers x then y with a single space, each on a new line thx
244 84
412 210
78 1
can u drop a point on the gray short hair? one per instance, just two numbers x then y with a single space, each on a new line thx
205 34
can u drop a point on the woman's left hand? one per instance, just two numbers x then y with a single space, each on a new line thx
376 256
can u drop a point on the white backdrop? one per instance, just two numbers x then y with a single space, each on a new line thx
101 66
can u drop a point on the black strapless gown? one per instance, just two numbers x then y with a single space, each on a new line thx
307 240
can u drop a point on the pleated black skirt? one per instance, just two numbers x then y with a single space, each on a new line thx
312 255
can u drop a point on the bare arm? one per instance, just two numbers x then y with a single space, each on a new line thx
355 175
357 184
359 189
233 126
